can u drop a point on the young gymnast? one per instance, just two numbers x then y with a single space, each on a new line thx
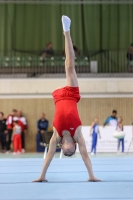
120 128
67 124
16 138
94 131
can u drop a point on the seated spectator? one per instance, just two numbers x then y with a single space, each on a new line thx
130 56
42 126
76 51
3 132
48 51
111 120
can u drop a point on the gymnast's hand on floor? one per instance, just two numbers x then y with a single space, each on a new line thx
40 180
94 180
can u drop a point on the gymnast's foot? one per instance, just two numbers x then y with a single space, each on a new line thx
66 22
94 180
40 180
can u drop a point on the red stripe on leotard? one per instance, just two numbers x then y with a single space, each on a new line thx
66 114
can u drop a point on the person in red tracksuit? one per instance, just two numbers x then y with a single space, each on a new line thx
23 123
16 138
9 123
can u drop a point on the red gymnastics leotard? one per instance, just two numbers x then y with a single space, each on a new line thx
66 113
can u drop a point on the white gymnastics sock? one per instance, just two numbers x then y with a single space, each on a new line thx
66 22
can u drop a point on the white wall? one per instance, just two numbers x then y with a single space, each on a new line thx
93 87
107 143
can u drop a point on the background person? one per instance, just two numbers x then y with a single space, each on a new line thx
3 132
42 126
48 51
130 56
9 123
94 131
120 128
16 138
76 51
111 120
23 123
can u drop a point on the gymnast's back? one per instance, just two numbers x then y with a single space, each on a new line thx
66 111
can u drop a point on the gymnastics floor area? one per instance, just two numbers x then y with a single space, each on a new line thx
67 178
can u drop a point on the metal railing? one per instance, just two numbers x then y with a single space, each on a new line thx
73 2
107 63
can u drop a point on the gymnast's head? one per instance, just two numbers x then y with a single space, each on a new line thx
96 119
68 145
120 119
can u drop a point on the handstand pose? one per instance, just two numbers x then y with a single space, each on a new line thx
67 124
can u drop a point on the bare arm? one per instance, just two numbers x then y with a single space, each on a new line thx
85 157
51 152
91 128
99 133
121 127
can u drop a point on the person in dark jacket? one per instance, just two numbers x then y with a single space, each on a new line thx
48 51
42 126
3 132
130 56
130 53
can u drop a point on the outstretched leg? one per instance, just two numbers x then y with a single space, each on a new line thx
71 76
122 141
95 143
92 147
118 147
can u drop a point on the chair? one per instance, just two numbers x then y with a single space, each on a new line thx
49 61
23 61
4 64
61 61
82 61
34 61
46 139
26 61
16 61
6 61
129 65
40 61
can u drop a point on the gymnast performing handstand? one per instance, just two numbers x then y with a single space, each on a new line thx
67 124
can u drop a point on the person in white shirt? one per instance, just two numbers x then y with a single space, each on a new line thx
111 120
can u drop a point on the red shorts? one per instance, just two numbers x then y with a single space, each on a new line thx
17 143
66 112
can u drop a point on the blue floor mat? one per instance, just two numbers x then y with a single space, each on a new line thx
67 179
